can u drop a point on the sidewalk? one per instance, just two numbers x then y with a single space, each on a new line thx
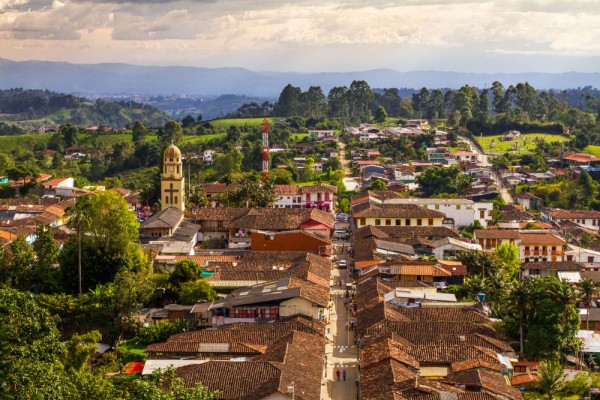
342 353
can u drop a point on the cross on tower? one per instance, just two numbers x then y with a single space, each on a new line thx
171 191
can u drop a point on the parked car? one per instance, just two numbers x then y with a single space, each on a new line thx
343 264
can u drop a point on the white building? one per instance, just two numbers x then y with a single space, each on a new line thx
584 217
208 156
60 187
581 255
464 212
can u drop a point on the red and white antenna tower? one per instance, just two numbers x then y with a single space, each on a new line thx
265 150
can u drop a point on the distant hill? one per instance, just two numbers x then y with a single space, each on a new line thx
132 79
29 109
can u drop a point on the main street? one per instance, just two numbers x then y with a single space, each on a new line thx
341 352
349 181
485 162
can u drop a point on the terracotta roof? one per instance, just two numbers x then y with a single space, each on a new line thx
405 232
289 190
219 214
396 211
540 238
475 363
575 214
491 382
321 187
388 348
518 380
496 234
280 218
512 213
554 265
583 158
298 322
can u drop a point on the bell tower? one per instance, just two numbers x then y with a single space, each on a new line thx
172 181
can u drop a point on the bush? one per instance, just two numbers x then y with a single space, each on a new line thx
161 331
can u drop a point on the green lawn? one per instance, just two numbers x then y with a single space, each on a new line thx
299 136
594 150
240 122
132 350
26 141
203 138
526 141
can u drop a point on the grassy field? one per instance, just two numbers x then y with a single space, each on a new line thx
203 138
240 122
594 150
27 141
299 136
526 142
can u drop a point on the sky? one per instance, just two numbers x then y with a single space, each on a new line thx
309 35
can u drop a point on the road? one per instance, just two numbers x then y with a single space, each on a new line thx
349 181
485 162
340 351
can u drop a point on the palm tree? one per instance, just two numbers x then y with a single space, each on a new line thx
551 378
587 291
475 284
520 295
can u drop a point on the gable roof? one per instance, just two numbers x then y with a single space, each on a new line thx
280 218
496 234
395 211
167 218
540 238
575 214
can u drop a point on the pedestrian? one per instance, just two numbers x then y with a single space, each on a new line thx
344 374
346 326
337 373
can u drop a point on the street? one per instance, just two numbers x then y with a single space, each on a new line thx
485 162
341 352
349 181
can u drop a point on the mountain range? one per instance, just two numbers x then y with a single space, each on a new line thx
110 79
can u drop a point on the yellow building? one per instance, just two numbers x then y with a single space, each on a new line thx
172 181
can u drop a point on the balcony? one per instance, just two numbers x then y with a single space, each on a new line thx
239 242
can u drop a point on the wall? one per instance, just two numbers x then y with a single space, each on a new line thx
298 305
413 222
286 242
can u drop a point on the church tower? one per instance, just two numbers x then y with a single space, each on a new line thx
171 181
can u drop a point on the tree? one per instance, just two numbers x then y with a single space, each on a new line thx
380 114
45 267
587 290
230 163
280 176
69 134
436 180
551 378
464 182
22 261
188 121
185 271
288 102
377 185
171 132
359 95
308 172
509 259
194 291
138 132
196 197
80 348
108 231
521 293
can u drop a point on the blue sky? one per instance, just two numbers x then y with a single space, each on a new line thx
309 35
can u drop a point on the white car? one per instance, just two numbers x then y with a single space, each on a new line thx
343 264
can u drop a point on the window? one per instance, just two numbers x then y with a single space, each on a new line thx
425 206
591 259
419 222
407 222
363 221
569 258
437 206
430 222
166 199
377 222
388 222
482 214
397 222
175 200
458 206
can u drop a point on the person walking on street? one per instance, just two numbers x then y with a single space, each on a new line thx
344 374
337 373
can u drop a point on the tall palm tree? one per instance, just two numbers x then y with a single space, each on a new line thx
551 378
520 295
587 291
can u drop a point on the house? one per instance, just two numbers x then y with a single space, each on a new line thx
396 215
568 270
585 217
272 300
290 241
489 239
63 187
464 212
510 136
513 213
582 255
168 229
438 154
528 201
162 224
321 133
48 128
465 156
449 247
209 156
578 159
320 196
288 196
541 246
